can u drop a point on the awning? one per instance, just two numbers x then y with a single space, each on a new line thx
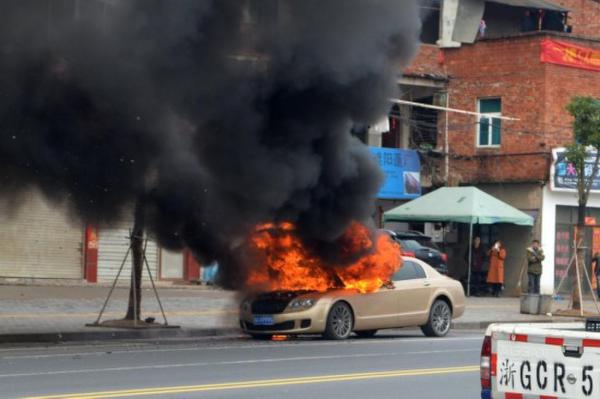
542 4
458 204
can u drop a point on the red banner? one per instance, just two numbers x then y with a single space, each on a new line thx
567 54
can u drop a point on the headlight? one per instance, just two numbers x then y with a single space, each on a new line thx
301 304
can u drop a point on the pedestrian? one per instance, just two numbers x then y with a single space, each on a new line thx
495 275
482 29
596 271
527 21
535 256
477 260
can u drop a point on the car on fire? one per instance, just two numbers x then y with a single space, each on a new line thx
417 295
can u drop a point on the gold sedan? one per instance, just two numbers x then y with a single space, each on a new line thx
418 296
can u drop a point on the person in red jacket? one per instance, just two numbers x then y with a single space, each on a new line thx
495 275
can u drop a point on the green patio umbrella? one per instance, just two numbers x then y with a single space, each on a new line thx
461 205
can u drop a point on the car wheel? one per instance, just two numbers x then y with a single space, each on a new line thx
366 333
339 322
440 317
262 337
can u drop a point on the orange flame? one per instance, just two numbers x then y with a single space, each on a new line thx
284 263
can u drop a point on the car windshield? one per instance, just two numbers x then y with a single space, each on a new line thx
430 244
410 244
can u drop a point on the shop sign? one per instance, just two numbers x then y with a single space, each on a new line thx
590 221
571 55
563 176
402 170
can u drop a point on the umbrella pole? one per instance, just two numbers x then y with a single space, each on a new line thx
470 255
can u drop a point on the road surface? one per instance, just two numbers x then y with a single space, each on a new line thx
398 364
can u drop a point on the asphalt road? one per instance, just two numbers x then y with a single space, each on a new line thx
400 364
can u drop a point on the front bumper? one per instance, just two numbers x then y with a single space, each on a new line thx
310 321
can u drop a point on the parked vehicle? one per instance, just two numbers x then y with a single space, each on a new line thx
421 246
541 361
418 296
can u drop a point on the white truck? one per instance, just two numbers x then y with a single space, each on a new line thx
546 361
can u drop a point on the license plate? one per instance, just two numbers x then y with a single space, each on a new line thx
542 369
263 320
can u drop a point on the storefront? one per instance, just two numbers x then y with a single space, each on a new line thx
559 219
39 241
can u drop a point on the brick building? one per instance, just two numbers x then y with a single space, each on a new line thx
499 71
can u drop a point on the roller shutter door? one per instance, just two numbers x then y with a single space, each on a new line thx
39 240
113 243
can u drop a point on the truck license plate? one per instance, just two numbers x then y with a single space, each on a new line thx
542 369
263 320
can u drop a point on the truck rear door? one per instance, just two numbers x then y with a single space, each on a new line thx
537 363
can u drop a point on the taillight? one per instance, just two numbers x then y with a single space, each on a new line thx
486 369
408 253
445 257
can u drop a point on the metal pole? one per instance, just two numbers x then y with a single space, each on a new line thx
557 291
459 111
470 255
446 144
113 286
589 281
578 279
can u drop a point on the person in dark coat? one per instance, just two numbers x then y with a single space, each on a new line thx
596 272
478 255
528 21
535 256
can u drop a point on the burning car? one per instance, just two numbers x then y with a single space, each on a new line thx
416 296
380 290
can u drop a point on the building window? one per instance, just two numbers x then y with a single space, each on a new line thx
489 126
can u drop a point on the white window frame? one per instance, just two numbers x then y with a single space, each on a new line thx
490 115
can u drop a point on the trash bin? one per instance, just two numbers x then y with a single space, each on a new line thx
545 304
530 303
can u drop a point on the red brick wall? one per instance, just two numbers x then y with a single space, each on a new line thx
509 69
428 61
584 16
533 92
561 84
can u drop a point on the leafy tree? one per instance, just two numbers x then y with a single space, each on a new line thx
584 154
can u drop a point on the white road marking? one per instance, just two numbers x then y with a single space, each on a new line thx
231 363
252 346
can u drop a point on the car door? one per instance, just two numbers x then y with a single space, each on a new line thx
375 310
412 292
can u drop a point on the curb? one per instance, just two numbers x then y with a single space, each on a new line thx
482 325
82 336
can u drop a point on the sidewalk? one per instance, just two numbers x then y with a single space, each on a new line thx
55 314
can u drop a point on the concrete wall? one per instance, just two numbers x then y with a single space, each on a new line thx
525 197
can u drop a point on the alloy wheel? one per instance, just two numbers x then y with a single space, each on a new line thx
441 317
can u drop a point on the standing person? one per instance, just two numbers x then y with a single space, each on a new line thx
596 271
495 275
477 260
535 256
482 29
527 21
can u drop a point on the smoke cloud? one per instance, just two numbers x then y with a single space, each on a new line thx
213 116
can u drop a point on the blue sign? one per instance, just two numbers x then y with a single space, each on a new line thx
402 169
564 174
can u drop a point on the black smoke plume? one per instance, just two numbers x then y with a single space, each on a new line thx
215 115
